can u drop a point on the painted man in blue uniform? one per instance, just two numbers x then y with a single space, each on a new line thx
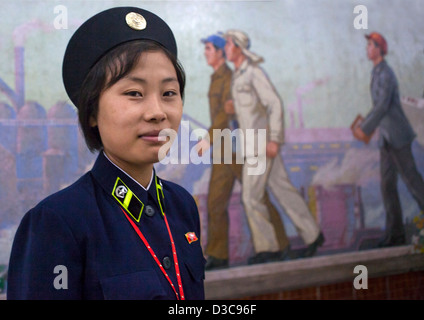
119 232
396 136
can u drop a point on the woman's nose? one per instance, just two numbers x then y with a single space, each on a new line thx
155 112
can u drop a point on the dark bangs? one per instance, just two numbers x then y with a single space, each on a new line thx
121 60
111 68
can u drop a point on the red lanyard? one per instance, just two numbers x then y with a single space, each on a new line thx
174 253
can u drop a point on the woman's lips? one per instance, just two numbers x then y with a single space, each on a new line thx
152 136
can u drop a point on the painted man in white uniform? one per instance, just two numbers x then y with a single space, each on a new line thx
258 106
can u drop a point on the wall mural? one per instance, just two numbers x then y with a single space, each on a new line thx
311 55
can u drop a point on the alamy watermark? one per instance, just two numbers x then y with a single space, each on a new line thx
60 282
361 20
361 280
229 146
61 19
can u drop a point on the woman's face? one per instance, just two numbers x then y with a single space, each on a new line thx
135 109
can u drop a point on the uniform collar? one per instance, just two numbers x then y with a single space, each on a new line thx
151 178
107 173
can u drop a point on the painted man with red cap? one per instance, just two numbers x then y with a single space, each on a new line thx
396 136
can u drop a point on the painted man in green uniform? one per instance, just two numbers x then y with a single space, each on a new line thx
223 174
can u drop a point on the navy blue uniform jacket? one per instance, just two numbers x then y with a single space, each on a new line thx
387 112
84 229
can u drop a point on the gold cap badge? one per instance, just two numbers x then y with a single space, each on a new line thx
136 21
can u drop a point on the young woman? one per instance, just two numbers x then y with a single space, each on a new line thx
119 232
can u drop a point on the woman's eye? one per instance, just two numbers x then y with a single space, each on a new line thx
133 94
169 94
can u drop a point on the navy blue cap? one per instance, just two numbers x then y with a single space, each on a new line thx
216 40
103 32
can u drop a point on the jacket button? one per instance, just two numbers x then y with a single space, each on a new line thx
166 262
150 211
